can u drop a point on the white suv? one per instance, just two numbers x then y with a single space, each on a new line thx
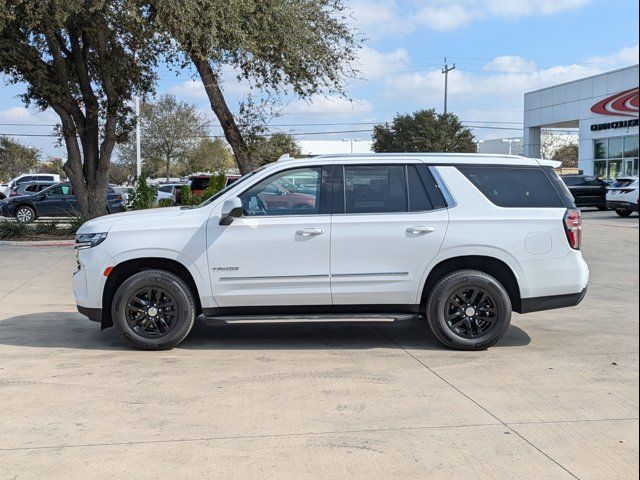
460 239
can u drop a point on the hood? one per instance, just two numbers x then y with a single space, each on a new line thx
139 217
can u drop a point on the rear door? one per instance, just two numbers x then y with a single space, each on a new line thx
389 223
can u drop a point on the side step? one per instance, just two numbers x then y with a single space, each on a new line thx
321 318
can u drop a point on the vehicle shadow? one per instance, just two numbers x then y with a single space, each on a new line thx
72 330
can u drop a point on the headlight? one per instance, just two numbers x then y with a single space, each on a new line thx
89 240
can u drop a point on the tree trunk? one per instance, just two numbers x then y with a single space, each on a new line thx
168 166
225 117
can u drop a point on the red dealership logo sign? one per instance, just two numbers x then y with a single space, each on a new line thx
623 104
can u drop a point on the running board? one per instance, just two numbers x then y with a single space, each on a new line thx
322 318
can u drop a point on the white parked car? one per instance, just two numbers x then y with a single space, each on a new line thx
166 191
461 239
27 177
622 196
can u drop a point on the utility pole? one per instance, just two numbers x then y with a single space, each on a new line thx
445 70
138 158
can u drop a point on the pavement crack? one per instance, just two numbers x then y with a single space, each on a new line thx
479 405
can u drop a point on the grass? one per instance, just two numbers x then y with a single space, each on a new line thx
10 230
40 230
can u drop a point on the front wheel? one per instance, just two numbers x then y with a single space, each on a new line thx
623 213
25 214
153 310
468 310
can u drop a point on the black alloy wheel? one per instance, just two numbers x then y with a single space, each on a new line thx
152 312
471 312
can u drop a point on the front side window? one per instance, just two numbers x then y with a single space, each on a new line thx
60 190
292 192
514 187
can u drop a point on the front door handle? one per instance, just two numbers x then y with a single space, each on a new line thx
309 232
418 229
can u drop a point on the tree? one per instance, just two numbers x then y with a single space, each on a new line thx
423 131
567 154
551 141
210 155
264 150
171 130
52 165
298 46
16 159
85 60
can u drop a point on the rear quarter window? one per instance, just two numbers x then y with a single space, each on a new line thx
515 187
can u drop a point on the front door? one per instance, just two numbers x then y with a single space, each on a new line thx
389 228
277 254
54 201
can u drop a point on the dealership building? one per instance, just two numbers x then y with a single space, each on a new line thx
604 109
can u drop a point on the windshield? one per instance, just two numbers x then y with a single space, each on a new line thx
234 184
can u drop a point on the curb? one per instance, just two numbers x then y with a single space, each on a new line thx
36 243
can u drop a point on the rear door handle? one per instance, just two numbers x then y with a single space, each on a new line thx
418 229
309 232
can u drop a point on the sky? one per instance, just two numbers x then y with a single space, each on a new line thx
501 49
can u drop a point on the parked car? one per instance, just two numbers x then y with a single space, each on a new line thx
128 194
30 188
623 196
462 239
587 191
167 190
55 201
199 183
29 177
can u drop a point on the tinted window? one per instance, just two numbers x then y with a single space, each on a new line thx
60 190
26 179
200 183
292 192
45 178
375 188
418 198
32 188
515 187
573 181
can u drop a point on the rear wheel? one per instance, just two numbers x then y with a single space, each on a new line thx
468 310
623 213
25 214
153 310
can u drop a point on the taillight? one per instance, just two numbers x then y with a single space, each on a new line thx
573 227
13 193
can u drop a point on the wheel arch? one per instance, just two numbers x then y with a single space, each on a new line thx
490 265
125 269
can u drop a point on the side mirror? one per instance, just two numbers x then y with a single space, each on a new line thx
231 209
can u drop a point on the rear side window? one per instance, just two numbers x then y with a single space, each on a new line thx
375 189
514 187
200 183
573 181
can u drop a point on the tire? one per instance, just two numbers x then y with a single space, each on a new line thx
25 214
623 213
496 304
133 294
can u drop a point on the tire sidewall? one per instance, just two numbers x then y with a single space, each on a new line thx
167 281
437 306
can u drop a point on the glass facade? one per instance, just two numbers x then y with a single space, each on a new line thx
615 157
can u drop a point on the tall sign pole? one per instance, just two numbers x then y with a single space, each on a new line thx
445 70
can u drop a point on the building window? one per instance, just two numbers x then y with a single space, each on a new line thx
615 157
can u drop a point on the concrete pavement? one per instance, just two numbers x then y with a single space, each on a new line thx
556 399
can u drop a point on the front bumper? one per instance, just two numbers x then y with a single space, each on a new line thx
620 205
537 304
93 314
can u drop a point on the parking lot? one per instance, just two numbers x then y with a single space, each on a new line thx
557 398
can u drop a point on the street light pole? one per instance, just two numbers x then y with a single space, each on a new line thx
445 70
351 141
138 157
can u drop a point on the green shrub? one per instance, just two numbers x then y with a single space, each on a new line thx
185 195
46 228
145 194
13 230
165 202
215 185
75 222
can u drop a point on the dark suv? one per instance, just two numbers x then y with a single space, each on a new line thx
587 191
55 201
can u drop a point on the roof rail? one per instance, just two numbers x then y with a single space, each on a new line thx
285 157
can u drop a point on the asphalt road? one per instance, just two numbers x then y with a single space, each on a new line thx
556 399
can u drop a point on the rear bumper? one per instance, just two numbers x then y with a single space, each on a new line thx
537 304
618 205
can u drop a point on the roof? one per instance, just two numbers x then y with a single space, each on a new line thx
439 158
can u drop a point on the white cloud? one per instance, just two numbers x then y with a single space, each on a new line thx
372 63
15 114
327 105
510 63
403 16
189 88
